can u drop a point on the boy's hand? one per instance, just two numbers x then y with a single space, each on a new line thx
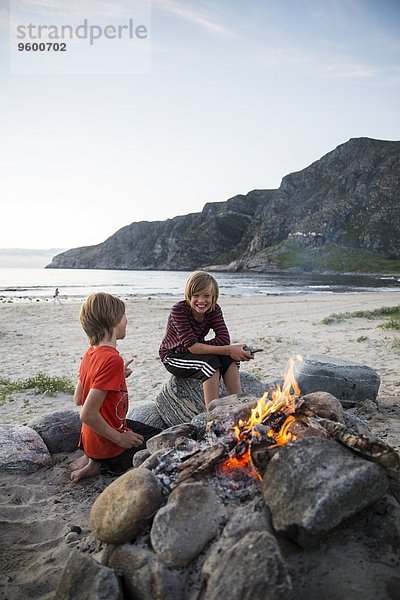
127 370
130 439
237 352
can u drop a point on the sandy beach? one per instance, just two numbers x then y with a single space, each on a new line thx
49 338
37 511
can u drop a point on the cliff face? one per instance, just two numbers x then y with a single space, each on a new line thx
340 213
213 236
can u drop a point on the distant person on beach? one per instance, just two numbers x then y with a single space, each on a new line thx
56 297
108 439
184 350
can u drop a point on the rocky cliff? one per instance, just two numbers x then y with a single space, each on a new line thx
342 213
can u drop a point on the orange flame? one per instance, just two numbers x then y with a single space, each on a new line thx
282 399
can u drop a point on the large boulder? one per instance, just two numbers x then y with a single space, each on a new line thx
314 484
22 450
60 430
348 381
86 579
190 519
126 507
181 400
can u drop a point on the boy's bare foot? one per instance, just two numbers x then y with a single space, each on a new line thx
78 463
92 469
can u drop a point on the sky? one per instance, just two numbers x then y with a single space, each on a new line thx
223 97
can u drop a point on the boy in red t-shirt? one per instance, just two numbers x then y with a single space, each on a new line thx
107 438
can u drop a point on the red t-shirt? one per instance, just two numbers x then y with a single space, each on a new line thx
102 368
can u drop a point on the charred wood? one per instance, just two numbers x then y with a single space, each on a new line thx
201 463
369 447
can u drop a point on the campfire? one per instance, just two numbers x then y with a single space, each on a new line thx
269 423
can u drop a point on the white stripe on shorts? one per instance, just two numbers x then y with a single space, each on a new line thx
201 365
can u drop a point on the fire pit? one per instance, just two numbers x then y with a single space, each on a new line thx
228 507
280 416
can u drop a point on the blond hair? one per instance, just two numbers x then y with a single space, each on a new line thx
100 313
200 282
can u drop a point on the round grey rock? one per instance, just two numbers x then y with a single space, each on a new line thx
22 450
190 519
200 421
324 405
59 430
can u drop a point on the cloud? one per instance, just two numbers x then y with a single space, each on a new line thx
349 71
287 57
195 16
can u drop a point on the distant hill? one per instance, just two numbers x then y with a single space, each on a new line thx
341 213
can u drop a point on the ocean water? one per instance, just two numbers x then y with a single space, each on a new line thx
27 285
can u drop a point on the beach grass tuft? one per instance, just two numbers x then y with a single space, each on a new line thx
395 344
41 383
391 324
386 312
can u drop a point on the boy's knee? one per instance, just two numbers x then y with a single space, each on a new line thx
214 377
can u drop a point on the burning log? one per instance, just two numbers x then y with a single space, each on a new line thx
369 447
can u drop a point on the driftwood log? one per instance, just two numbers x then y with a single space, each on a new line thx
369 447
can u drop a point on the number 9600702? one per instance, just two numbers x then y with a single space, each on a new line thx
42 47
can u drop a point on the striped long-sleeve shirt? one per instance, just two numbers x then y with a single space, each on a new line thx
183 330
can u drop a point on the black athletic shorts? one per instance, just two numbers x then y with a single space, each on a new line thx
121 463
197 366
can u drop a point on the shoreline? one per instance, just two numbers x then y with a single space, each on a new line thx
69 299
34 285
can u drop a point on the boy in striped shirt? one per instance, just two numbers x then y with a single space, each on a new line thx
184 350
